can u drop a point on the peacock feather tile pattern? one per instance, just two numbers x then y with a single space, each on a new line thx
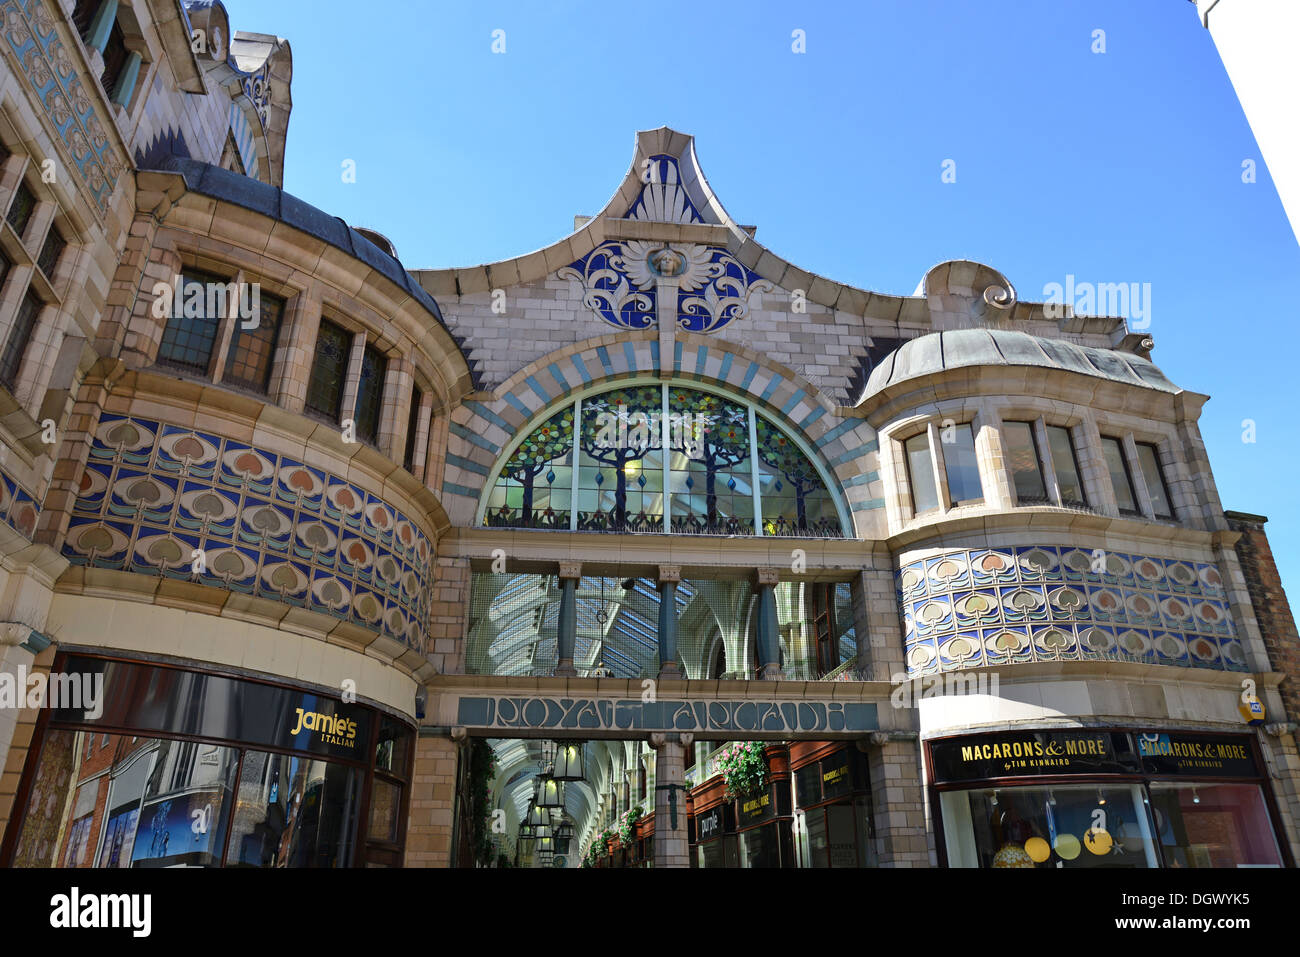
966 609
153 497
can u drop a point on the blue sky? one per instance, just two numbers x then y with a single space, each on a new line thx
1122 166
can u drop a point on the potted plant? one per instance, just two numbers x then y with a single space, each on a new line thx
744 769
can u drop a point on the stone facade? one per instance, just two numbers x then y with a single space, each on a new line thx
302 496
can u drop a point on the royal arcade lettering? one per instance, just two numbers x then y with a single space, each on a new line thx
699 715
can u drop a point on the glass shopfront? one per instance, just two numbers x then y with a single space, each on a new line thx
712 835
1088 798
188 769
834 796
764 828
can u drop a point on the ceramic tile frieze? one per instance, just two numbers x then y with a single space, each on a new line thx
32 35
267 525
976 607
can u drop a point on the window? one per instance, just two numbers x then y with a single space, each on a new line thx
661 459
115 57
1149 462
370 394
192 328
961 466
1066 464
20 210
412 426
83 15
51 252
1020 450
328 369
1119 475
252 351
5 266
920 473
12 357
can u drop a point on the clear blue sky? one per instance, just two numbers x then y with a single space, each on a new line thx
1123 166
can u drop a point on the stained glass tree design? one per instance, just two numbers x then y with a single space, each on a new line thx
781 453
551 440
723 442
624 445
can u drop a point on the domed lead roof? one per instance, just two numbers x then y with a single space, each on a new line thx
956 348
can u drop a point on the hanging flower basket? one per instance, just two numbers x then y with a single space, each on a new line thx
744 769
626 824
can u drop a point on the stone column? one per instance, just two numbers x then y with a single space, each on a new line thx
670 845
430 825
897 801
566 629
669 576
769 641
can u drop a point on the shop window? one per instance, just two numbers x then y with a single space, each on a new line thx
21 208
1020 451
294 812
1068 826
192 329
1120 479
920 474
51 253
1213 825
370 394
252 351
19 337
328 370
1066 464
960 464
1154 476
412 427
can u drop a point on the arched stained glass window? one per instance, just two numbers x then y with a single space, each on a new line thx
662 458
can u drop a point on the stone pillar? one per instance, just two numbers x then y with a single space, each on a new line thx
430 826
566 629
671 849
769 641
897 801
669 576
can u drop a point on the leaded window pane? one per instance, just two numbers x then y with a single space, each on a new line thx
328 369
1155 480
1020 450
252 351
794 498
961 466
535 488
1119 477
1066 466
192 328
51 252
709 471
370 394
920 474
21 208
620 461
21 334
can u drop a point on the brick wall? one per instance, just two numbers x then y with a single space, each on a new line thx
1272 610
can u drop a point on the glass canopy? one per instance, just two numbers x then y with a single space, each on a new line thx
661 458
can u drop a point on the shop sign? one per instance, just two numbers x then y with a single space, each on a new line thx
1197 754
755 809
1082 751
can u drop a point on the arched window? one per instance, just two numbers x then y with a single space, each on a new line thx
662 458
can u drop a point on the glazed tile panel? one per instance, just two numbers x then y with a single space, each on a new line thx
965 609
268 525
18 509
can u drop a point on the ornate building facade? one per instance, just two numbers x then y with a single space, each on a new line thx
330 556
